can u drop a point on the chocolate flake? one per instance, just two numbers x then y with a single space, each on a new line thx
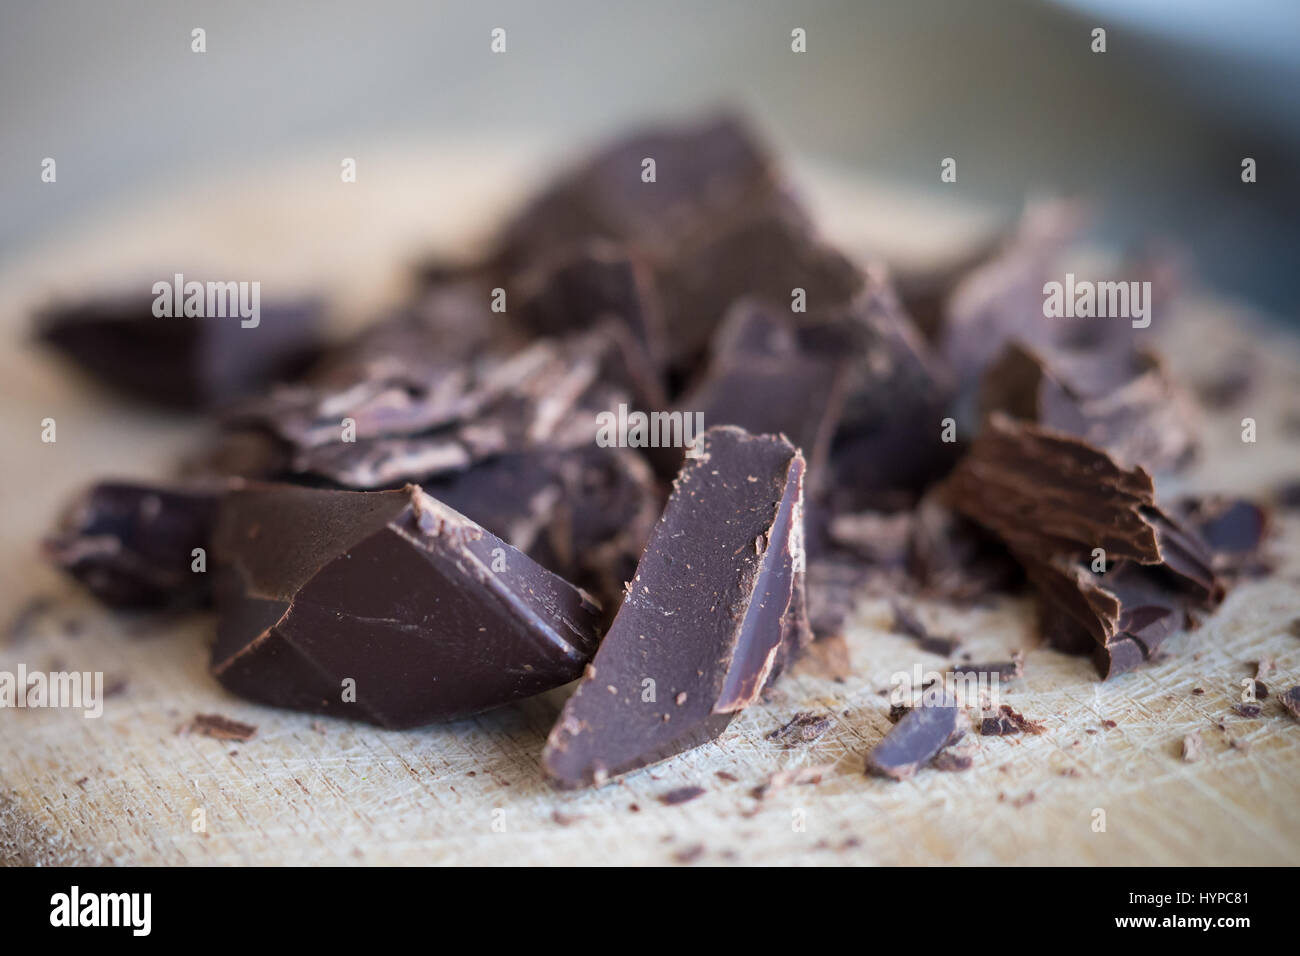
1291 702
919 734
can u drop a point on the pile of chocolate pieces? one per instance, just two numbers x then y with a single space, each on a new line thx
419 523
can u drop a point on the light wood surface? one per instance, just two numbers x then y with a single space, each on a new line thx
123 788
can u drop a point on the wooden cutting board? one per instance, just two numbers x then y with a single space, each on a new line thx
124 788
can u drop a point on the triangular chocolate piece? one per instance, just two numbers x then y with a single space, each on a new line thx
714 609
427 613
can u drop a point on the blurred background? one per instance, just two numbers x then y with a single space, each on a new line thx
1156 127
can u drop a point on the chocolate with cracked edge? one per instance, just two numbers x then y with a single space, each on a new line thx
132 545
1125 403
920 733
705 618
578 287
186 362
1053 499
431 616
703 171
760 379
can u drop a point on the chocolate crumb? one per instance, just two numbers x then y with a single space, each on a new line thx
952 761
1008 721
690 854
1109 724
1261 690
1198 691
680 795
802 728
1248 709
728 777
222 728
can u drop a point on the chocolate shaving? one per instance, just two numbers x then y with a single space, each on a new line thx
804 727
222 728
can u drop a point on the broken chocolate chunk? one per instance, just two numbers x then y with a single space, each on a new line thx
1291 702
182 361
702 172
912 742
388 607
1126 403
706 614
1106 561
136 545
760 380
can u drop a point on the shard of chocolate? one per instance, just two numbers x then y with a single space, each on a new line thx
714 602
1107 562
584 514
920 733
1234 529
430 421
134 545
183 361
764 254
1125 403
580 287
387 607
1002 299
760 379
702 171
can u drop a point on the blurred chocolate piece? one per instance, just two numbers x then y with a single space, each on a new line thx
583 514
582 287
1054 500
387 607
1125 403
132 545
764 255
919 734
1002 299
704 618
702 172
1235 531
761 380
1291 702
183 362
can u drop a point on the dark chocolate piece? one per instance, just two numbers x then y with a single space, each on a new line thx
681 795
764 254
702 626
1126 403
703 172
388 607
1002 299
182 361
1291 702
952 761
912 742
1053 499
802 728
133 545
583 514
761 380
222 728
1248 709
1006 670
906 622
580 288
1235 530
